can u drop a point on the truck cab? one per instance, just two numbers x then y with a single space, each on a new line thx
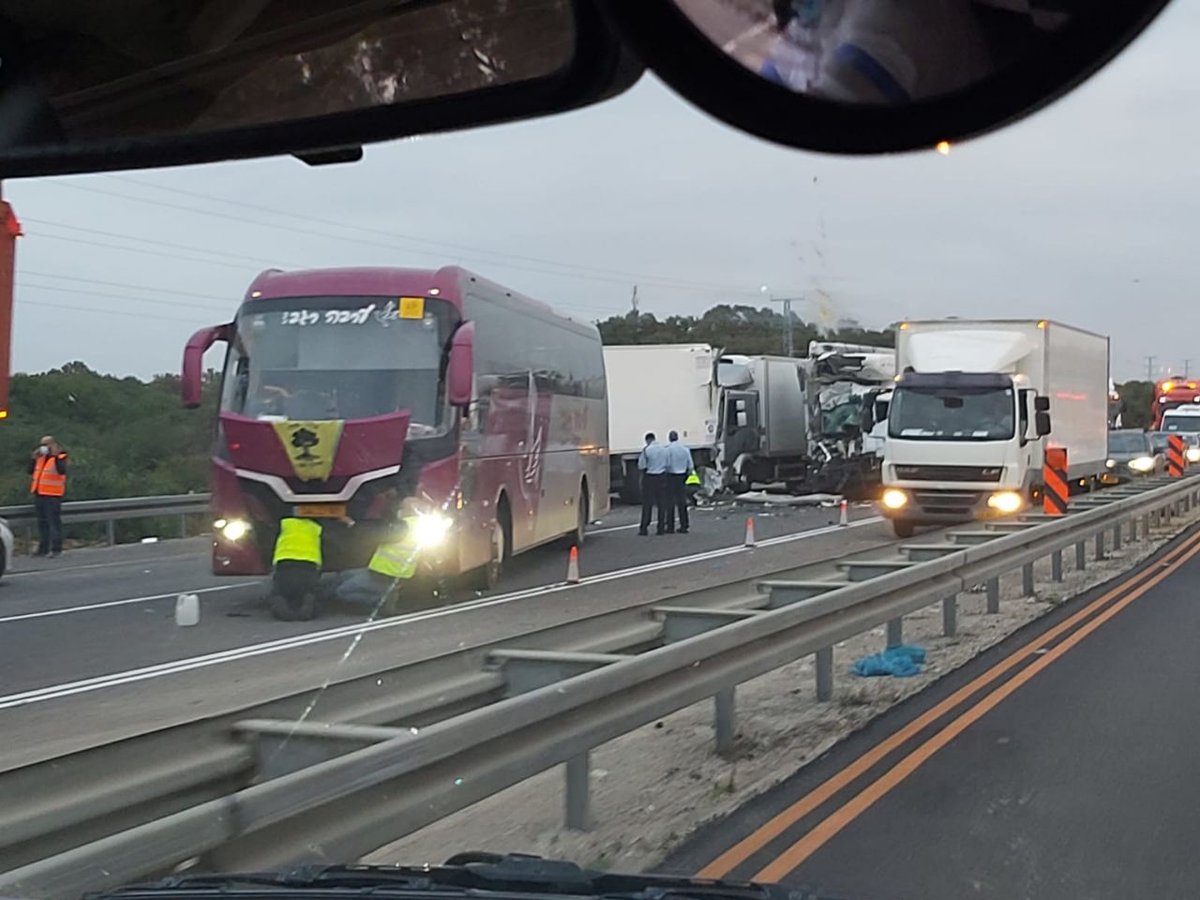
960 446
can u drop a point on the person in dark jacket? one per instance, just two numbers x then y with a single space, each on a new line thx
48 485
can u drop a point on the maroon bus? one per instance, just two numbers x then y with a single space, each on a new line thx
347 390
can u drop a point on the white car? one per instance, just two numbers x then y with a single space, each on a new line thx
6 545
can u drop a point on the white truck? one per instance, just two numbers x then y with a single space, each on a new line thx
973 407
658 388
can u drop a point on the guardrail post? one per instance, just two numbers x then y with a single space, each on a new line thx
578 791
1081 556
1056 568
1133 530
825 674
1099 546
950 615
725 721
110 528
993 595
895 632
1027 588
183 525
1117 536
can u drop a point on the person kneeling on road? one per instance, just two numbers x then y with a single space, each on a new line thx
297 569
393 563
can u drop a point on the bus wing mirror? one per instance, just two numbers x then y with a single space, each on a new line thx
1041 421
193 362
460 372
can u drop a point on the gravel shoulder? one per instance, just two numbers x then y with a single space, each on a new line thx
655 786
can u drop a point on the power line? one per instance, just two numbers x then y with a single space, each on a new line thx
63 290
138 287
598 274
27 304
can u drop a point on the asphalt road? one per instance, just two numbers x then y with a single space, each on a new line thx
89 649
1060 764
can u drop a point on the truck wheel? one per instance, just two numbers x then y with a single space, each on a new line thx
903 528
294 609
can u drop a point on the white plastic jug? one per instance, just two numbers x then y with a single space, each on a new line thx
187 609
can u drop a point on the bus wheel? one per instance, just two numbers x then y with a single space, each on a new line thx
578 536
294 609
488 576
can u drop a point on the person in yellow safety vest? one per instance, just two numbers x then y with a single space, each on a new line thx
394 561
297 561
691 487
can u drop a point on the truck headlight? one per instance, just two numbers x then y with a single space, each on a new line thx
1193 454
894 499
1006 501
431 529
1112 463
1142 464
233 530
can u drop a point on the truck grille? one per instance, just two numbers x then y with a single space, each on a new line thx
949 473
947 503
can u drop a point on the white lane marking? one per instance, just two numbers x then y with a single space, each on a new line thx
613 528
116 679
104 604
105 565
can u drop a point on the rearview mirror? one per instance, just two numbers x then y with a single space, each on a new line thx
90 87
460 370
1041 404
192 380
877 77
1041 421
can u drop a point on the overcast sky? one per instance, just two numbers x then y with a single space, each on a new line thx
1086 213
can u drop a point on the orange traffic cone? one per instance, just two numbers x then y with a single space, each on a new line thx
845 517
573 566
750 542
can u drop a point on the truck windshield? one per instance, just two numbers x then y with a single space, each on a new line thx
338 358
952 414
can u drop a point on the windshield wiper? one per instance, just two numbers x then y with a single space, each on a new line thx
477 875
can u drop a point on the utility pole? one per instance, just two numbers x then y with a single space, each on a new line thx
789 348
1150 367
633 303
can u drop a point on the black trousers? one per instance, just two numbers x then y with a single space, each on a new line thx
676 500
652 498
49 522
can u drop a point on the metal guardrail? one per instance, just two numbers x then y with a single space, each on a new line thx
110 511
559 706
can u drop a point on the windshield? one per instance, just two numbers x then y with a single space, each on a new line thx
1159 440
337 358
1129 442
1181 424
947 414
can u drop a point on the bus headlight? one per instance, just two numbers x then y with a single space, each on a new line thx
894 499
431 529
1142 464
1006 501
233 530
1112 463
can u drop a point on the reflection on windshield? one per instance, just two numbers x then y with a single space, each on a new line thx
336 358
948 414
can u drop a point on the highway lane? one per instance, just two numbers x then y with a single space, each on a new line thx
146 672
1060 763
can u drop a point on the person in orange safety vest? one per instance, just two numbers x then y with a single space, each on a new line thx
48 485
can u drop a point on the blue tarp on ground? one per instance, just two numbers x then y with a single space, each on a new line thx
903 662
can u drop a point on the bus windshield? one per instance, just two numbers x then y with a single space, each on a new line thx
951 414
316 358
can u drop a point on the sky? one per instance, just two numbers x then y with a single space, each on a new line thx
1084 213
